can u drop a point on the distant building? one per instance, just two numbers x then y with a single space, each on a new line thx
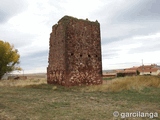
152 69
126 72
109 75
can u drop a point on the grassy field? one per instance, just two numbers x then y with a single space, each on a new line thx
36 100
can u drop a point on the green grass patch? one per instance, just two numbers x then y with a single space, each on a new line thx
104 78
50 102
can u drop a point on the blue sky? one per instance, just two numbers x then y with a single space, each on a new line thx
130 30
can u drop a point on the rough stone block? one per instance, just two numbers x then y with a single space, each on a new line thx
75 53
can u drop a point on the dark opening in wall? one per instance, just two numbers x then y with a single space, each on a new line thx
72 54
96 55
80 55
89 56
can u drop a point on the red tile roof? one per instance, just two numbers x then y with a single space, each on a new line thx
130 71
145 68
133 68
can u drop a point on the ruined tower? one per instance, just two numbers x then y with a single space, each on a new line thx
75 53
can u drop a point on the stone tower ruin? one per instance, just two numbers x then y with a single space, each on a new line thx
75 53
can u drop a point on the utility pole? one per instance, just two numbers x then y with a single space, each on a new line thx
142 67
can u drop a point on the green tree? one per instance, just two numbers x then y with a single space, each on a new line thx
137 72
9 58
120 74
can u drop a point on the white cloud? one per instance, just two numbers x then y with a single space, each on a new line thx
129 29
82 8
8 9
130 52
149 37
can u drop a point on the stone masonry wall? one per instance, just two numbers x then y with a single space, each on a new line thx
75 53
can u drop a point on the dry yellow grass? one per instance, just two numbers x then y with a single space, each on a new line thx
22 83
134 83
137 83
41 101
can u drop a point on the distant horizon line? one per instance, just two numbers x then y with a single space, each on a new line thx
102 70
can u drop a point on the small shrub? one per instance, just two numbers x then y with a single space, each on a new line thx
120 74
